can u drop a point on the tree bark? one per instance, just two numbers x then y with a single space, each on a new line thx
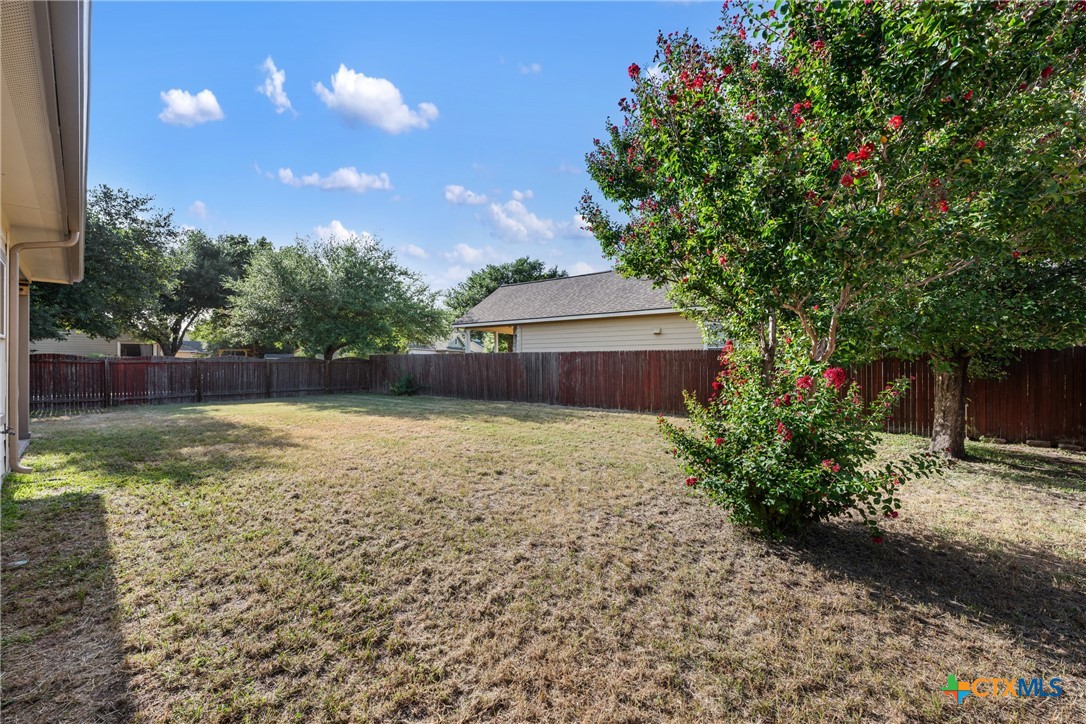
948 428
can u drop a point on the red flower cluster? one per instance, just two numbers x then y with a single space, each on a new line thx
718 385
804 383
691 482
862 153
892 514
835 165
719 441
847 180
835 376
979 144
785 400
895 122
783 431
831 465
943 206
813 197
818 46
968 95
724 262
634 70
1046 72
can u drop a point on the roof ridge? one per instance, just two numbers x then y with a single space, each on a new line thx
555 279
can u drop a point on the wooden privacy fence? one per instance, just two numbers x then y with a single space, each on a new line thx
1043 395
62 383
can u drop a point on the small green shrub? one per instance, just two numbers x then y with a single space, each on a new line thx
406 385
781 454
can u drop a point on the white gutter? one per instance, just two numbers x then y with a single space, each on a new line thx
15 336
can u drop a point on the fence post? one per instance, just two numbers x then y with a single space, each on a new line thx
107 385
197 383
266 364
327 376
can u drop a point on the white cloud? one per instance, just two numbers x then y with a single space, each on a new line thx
375 101
513 222
456 194
463 252
416 251
575 229
531 68
467 254
274 79
344 179
184 109
656 72
336 231
569 168
198 209
457 274
582 267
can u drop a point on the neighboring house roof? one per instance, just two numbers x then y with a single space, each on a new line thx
604 294
192 345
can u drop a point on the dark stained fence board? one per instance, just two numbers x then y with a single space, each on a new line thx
1043 394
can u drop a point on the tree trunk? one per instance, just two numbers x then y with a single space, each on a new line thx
948 429
768 338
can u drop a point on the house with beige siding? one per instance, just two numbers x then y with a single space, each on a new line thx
586 313
84 345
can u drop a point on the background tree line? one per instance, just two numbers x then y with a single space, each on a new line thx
149 279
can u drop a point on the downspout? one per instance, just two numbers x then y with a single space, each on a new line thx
14 347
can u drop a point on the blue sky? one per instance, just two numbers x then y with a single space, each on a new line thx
454 132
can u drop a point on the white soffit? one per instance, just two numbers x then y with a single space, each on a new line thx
30 190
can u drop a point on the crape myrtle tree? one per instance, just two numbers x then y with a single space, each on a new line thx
810 161
322 297
814 159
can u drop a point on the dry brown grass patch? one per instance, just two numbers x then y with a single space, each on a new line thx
354 557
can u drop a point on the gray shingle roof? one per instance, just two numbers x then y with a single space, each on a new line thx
602 293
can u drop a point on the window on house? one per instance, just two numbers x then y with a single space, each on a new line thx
131 350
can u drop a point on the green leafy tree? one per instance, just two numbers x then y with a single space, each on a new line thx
326 296
973 323
481 283
818 158
201 268
125 269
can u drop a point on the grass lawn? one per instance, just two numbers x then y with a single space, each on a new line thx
362 557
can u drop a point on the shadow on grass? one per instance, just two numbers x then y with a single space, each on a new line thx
1036 594
174 445
62 653
1043 468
